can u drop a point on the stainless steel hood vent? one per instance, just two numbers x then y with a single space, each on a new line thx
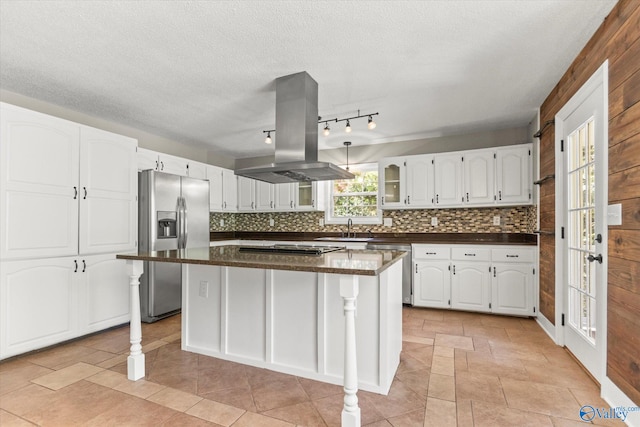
296 142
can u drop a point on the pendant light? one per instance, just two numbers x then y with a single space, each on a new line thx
326 130
347 144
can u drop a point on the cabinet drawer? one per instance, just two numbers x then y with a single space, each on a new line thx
430 252
513 255
471 254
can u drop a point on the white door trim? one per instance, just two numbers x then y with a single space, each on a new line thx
598 81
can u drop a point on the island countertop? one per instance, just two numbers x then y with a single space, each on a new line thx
363 262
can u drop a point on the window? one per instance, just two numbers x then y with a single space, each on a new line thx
355 198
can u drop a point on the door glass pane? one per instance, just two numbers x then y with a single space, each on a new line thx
392 184
581 189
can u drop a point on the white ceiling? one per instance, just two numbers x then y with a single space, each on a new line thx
202 72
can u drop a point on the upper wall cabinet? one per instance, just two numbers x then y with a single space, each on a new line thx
474 178
513 170
149 159
197 170
223 189
67 188
448 179
297 196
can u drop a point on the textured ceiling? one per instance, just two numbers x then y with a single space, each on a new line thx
202 72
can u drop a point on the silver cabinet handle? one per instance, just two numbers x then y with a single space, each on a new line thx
416 268
162 166
494 272
156 165
472 255
75 193
85 193
291 204
500 195
454 269
75 261
224 205
437 196
512 256
467 197
84 266
408 200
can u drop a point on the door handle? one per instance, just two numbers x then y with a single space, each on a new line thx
185 223
84 266
599 238
75 193
85 193
75 261
592 258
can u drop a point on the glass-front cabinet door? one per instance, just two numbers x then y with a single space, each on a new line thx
306 195
392 183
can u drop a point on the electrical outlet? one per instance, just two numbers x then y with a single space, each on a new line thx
271 222
221 222
204 289
434 221
496 220
388 222
321 222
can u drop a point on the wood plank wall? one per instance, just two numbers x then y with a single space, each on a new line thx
618 40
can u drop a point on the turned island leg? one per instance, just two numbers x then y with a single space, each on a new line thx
135 361
349 293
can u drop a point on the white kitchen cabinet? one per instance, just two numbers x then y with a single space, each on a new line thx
479 177
264 194
513 174
39 166
471 279
419 179
196 170
229 191
392 182
161 162
246 194
146 159
285 196
216 199
431 275
38 301
513 281
68 188
103 293
310 195
448 179
108 192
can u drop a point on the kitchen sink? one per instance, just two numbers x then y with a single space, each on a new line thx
345 239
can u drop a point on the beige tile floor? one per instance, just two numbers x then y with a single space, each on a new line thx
456 368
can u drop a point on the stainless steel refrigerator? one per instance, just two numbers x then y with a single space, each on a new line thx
173 213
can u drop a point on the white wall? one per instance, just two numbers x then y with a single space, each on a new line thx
145 139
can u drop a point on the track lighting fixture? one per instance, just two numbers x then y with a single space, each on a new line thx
326 131
370 123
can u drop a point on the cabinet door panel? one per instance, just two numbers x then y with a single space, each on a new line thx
216 200
284 196
230 191
479 177
419 173
38 304
147 159
514 174
108 179
104 293
264 196
197 170
448 179
246 194
471 286
431 285
391 183
39 178
512 291
172 164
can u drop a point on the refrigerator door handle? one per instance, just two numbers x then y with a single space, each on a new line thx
180 223
185 223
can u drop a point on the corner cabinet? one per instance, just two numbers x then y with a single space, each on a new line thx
492 279
514 178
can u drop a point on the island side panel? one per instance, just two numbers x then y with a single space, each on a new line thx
390 323
294 319
245 323
202 299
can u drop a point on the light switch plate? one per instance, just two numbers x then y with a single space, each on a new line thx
434 221
388 222
614 214
221 222
321 222
204 289
496 220
271 222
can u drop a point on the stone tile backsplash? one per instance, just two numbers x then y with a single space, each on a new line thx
518 219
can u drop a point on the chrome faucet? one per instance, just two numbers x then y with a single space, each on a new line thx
349 224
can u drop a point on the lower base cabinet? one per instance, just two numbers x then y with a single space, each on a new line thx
492 279
47 301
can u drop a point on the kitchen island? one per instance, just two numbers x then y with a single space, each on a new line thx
295 314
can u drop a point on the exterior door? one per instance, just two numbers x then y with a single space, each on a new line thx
583 168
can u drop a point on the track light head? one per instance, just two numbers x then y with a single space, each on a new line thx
347 129
268 139
370 123
326 130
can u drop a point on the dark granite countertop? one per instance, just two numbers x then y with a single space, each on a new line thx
346 261
389 238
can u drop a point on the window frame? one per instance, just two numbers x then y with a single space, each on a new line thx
329 218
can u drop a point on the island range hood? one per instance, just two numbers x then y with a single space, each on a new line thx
296 142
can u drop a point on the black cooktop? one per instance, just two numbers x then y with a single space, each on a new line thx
291 249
